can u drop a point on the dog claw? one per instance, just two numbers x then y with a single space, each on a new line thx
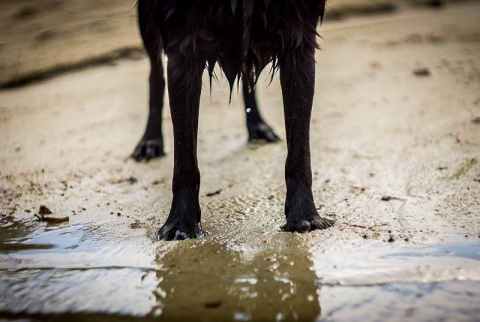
148 149
307 225
262 131
176 232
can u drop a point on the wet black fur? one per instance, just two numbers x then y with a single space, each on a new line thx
242 37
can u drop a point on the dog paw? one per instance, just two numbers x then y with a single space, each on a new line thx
148 149
262 131
179 232
306 225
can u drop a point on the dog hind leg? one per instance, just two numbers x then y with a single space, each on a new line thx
151 144
258 129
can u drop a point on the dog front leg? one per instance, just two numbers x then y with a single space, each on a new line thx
297 78
184 77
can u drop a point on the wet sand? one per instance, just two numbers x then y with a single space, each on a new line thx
395 155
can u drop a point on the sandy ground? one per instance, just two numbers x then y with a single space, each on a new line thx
396 117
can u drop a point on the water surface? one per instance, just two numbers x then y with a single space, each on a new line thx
78 272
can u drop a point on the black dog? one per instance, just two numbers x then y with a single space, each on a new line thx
243 36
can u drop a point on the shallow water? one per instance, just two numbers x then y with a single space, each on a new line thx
71 269
77 272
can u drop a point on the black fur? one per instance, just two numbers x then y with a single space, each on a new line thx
242 37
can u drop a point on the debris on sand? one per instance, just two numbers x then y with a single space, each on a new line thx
131 180
211 194
5 220
137 225
44 214
422 72
44 211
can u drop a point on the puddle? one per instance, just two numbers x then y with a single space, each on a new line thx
223 284
74 272
50 270
78 272
443 301
429 282
426 263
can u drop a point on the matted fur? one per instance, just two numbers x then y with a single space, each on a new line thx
242 36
